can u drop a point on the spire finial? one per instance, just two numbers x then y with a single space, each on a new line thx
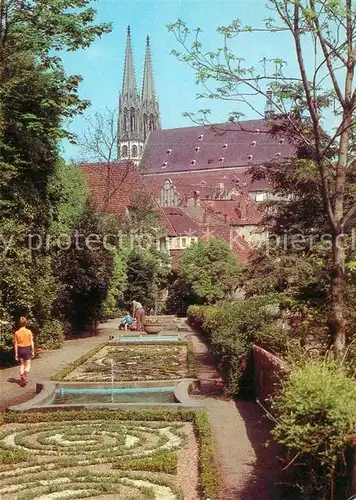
148 41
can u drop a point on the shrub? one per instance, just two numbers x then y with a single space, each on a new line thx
316 412
233 327
50 335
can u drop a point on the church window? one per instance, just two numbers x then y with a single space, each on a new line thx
132 120
126 120
124 152
145 125
134 150
152 122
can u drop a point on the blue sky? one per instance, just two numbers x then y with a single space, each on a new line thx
101 65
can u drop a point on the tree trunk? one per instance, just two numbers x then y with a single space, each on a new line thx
336 321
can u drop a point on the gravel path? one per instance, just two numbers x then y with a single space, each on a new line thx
248 468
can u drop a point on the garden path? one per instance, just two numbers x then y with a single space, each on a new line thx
249 469
46 364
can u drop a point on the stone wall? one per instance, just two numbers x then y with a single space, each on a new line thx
268 370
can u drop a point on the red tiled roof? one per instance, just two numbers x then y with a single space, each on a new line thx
223 231
115 186
240 145
205 182
182 224
232 211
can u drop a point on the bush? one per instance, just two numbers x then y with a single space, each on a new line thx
233 327
50 335
316 412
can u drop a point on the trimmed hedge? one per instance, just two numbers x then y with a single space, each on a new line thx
72 366
209 479
232 328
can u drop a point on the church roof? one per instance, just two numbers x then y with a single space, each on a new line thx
222 146
206 182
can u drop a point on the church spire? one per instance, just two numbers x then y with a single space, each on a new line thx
150 108
129 81
148 87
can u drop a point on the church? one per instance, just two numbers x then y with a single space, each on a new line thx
198 176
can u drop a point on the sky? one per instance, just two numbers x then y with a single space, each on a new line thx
101 65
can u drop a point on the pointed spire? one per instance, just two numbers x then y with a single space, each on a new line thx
129 81
148 86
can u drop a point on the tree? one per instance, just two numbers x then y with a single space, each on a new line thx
211 269
99 141
305 102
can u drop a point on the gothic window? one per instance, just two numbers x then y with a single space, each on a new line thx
152 122
124 152
134 151
126 120
145 126
132 120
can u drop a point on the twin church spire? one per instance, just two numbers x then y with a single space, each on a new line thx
138 112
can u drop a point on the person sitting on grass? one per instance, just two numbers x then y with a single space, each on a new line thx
24 349
126 321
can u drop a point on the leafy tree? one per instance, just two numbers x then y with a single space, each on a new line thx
147 272
118 283
305 102
211 269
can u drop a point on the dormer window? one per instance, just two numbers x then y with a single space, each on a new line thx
250 157
200 138
193 162
253 143
196 149
224 146
281 141
221 159
169 151
164 164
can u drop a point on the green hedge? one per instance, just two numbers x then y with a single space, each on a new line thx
209 479
232 328
61 375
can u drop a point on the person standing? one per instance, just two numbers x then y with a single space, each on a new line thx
24 349
138 314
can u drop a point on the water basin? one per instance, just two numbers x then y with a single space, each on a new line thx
148 338
145 395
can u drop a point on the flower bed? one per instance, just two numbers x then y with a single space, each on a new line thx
133 454
133 362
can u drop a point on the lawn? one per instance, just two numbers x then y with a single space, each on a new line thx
108 455
133 362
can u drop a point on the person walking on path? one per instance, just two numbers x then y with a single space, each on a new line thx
138 314
24 350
